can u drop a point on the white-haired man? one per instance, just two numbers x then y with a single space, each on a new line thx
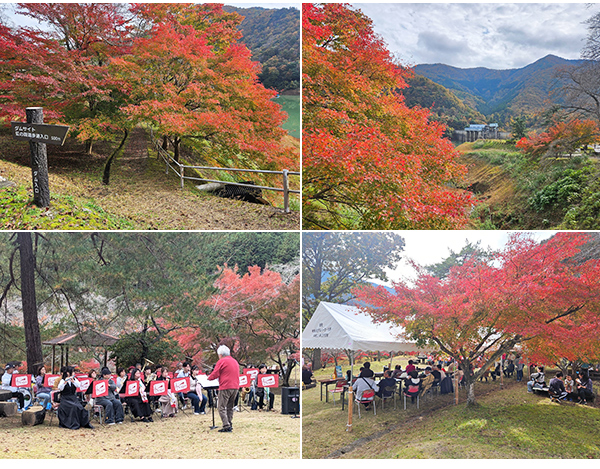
227 371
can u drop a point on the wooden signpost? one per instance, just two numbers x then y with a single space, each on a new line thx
39 134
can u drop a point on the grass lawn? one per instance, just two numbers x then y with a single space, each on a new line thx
507 423
256 435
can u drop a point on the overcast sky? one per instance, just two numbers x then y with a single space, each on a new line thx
430 247
492 35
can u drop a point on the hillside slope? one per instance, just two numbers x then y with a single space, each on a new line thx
504 93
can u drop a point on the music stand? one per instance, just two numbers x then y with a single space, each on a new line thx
210 386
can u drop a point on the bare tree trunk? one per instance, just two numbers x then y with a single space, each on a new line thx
33 339
471 394
316 359
106 175
88 146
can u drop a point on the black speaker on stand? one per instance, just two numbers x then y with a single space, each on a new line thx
290 401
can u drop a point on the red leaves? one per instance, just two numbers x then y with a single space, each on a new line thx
529 292
561 138
365 153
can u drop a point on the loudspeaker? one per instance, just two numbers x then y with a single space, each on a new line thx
290 400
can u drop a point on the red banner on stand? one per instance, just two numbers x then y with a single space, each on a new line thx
180 384
49 380
253 372
159 388
100 388
132 388
267 381
21 381
244 381
84 383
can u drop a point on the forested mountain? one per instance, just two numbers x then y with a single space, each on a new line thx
502 94
444 105
273 36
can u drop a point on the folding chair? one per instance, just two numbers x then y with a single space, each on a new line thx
339 388
366 398
98 412
389 392
405 395
185 404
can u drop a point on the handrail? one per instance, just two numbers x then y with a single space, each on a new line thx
169 160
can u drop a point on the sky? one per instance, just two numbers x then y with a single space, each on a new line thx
21 20
492 35
430 247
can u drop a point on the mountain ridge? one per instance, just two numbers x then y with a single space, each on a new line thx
502 93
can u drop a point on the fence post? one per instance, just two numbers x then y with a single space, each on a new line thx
286 192
181 170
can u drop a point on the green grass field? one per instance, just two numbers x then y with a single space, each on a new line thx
507 423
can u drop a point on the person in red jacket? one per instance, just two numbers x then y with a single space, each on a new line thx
227 371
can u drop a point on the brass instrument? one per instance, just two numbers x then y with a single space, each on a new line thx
147 363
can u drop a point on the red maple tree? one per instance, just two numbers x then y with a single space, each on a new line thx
528 293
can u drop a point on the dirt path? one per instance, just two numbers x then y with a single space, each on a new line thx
140 191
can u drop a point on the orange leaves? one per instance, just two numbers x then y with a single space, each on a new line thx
561 139
369 161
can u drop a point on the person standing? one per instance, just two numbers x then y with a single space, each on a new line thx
227 371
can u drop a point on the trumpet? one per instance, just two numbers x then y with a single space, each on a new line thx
147 363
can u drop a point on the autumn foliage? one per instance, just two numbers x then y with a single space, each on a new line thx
368 160
105 68
529 294
560 139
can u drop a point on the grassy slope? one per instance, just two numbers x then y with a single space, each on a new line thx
507 181
508 423
140 195
256 435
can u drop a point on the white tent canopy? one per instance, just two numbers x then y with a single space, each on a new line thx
335 326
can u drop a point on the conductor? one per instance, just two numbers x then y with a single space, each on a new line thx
227 371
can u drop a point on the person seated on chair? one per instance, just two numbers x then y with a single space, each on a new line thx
410 367
584 387
307 377
556 388
397 372
113 409
71 413
427 380
121 377
412 385
386 382
363 384
195 395
140 408
262 394
168 402
6 385
366 371
538 380
43 392
570 388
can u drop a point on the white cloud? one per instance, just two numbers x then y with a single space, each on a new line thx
499 36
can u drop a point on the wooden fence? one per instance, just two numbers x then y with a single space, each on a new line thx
179 170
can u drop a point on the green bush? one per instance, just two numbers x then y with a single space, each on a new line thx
564 192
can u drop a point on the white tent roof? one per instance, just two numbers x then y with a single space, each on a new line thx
336 326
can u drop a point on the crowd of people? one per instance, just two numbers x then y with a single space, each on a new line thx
564 388
414 382
71 403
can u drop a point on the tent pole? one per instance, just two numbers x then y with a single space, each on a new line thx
391 358
501 371
350 393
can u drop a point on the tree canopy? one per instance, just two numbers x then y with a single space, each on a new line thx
529 293
369 161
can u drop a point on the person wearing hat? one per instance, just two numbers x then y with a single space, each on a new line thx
6 384
113 409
